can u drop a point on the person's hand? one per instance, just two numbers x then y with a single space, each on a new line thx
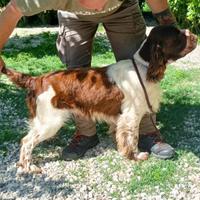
8 21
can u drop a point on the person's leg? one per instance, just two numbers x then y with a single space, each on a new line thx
151 140
126 31
75 38
74 44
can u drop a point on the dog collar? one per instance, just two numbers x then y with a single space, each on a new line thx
138 58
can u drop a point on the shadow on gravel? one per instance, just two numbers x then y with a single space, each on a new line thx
181 126
33 186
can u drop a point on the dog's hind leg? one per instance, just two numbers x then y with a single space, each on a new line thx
127 135
44 125
39 132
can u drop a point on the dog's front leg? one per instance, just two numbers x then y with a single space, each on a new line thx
112 130
127 135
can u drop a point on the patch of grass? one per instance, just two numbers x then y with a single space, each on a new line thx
12 112
102 52
148 176
181 103
146 8
33 59
180 124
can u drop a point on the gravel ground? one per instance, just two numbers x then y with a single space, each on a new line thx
190 61
102 175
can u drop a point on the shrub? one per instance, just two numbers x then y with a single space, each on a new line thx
44 18
3 3
187 13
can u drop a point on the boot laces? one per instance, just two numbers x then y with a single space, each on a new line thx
76 140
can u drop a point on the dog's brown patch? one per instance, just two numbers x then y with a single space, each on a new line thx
87 90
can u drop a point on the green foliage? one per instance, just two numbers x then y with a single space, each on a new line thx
180 99
187 13
3 3
141 3
150 175
44 18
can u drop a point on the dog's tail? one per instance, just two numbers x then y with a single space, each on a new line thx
20 79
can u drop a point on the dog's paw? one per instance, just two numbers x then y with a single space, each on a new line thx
141 156
35 169
31 169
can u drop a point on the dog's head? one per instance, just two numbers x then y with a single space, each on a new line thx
165 44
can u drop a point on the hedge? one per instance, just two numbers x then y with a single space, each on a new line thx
44 18
187 13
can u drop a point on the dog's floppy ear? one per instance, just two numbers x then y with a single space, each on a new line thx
157 64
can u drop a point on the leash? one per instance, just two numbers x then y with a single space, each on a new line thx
146 97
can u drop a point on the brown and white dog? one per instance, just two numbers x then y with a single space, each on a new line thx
111 93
